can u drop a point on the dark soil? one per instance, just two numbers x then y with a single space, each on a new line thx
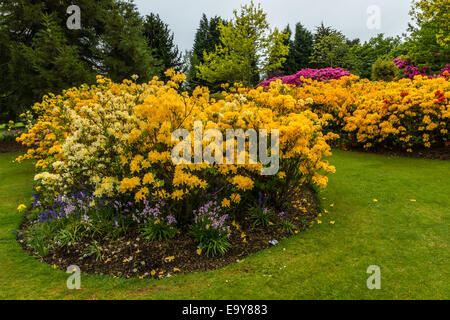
435 153
11 146
132 256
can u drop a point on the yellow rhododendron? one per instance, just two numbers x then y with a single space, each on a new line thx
397 114
115 138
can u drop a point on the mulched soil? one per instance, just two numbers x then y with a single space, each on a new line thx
133 256
435 153
11 146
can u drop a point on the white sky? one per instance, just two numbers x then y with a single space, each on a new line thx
348 16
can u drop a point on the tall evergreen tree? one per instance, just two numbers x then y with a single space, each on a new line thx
300 50
125 51
48 64
160 40
207 38
332 51
354 42
322 31
40 54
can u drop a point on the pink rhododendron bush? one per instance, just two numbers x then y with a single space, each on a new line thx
410 70
314 74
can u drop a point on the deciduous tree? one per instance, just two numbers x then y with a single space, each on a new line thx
248 49
332 51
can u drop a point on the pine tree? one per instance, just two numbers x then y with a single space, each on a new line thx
207 38
39 54
53 63
126 52
36 58
300 50
322 31
160 41
332 51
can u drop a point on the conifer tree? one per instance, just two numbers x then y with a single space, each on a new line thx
126 52
40 54
300 50
161 41
322 31
332 51
207 38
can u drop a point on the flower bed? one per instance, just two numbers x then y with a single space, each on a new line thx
402 115
105 169
132 255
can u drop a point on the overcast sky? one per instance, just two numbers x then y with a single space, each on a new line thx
349 16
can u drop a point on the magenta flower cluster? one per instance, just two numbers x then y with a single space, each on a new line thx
410 70
315 74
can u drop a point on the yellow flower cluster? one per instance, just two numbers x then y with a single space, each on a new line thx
402 114
242 183
117 140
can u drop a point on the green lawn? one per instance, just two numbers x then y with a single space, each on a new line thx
408 240
17 125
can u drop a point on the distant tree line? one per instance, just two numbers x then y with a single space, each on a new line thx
40 55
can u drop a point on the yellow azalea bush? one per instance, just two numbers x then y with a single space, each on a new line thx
113 140
404 115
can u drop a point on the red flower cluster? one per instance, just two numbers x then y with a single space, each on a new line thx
440 96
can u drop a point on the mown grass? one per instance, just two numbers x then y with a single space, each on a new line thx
408 240
18 125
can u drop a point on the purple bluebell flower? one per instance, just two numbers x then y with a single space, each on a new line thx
283 215
171 219
210 215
